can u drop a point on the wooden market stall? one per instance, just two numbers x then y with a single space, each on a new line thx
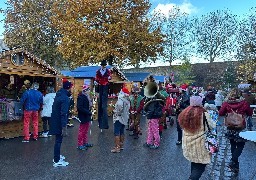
86 75
17 66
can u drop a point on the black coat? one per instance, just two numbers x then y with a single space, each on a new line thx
60 108
153 108
84 113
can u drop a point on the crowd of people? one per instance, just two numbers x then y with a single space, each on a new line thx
160 103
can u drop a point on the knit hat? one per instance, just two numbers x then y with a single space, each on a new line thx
85 87
196 101
66 84
125 91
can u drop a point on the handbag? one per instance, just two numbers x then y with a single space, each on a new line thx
211 143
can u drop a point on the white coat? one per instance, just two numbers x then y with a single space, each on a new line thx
47 104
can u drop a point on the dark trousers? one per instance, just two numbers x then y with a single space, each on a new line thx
45 123
103 107
236 149
57 146
197 170
178 129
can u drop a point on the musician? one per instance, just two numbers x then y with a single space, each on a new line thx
137 103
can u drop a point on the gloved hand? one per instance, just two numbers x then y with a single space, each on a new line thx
64 131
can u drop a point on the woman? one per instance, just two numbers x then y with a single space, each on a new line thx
84 106
48 100
193 141
235 102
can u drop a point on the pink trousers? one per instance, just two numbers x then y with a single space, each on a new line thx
27 116
83 134
153 132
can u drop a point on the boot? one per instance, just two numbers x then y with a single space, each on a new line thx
122 142
116 149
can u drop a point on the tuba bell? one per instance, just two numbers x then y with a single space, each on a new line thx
151 89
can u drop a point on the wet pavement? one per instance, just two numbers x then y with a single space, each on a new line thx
33 161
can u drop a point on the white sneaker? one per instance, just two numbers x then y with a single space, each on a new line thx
62 158
60 163
44 135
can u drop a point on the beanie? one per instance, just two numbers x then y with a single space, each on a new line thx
85 87
196 101
66 84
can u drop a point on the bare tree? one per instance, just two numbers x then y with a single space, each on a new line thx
215 34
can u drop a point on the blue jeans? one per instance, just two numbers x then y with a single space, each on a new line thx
249 122
103 107
57 146
118 128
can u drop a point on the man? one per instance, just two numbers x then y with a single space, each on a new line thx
103 75
59 119
183 103
31 100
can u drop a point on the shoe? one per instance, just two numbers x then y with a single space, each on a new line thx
154 147
62 158
136 136
60 163
116 150
88 145
234 167
83 148
178 143
44 135
25 141
34 139
147 145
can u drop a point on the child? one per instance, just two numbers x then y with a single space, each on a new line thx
137 103
120 118
84 105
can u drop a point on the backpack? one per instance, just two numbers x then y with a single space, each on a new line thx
235 121
155 110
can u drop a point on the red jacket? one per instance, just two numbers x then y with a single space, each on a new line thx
103 79
241 107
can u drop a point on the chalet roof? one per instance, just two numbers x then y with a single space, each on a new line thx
160 78
30 57
90 72
137 77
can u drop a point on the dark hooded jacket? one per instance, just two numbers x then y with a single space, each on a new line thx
84 113
60 110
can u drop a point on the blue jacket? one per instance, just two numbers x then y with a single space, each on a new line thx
60 108
31 100
84 114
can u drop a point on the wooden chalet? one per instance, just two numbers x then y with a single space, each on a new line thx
17 66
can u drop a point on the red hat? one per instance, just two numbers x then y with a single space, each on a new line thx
85 87
125 90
